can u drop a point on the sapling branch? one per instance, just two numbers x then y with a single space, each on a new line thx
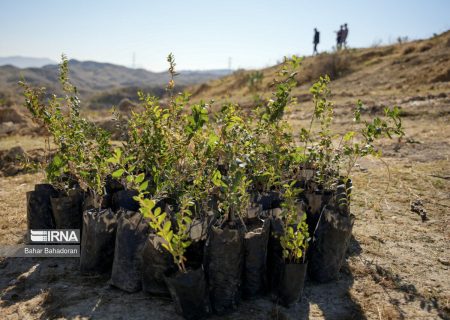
176 237
295 237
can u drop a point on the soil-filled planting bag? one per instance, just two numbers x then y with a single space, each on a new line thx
291 281
132 233
254 211
274 249
156 262
112 185
315 200
124 199
89 202
330 242
98 241
343 191
189 293
224 261
198 231
255 258
68 210
39 208
269 200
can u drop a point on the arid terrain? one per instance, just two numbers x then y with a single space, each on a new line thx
399 258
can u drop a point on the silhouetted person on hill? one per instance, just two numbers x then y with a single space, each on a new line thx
316 40
339 38
344 36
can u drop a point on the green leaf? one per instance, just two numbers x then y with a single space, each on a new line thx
217 179
185 244
143 186
149 204
212 140
167 226
140 178
118 173
349 135
169 236
57 161
187 219
161 217
118 153
113 160
84 173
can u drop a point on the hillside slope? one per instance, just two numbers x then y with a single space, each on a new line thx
419 67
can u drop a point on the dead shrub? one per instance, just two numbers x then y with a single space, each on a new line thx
126 106
408 50
335 65
201 88
442 77
425 47
241 79
377 53
10 114
5 99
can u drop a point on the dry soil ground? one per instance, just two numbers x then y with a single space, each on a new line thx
397 265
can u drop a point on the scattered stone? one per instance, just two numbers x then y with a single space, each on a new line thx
15 153
447 177
15 161
417 207
7 128
8 114
14 297
362 169
445 262
413 141
10 161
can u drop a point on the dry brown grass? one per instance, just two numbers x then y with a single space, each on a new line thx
335 65
13 216
26 142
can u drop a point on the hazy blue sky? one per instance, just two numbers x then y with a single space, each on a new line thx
204 34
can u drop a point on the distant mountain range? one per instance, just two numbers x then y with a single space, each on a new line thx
95 79
25 62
